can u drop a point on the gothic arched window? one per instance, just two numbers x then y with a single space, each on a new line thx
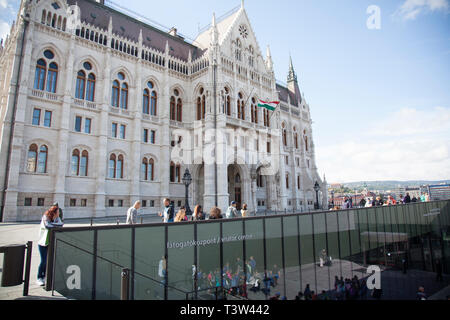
201 105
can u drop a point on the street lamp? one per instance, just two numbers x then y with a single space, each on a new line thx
332 198
316 189
187 180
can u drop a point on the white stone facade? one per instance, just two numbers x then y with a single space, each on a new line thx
230 63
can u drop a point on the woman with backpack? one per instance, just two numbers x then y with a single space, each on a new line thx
50 219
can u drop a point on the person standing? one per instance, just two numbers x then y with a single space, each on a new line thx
421 294
132 213
215 214
169 211
181 215
422 198
231 211
407 199
50 219
198 214
244 211
56 204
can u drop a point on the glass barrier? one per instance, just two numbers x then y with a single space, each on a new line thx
74 265
256 258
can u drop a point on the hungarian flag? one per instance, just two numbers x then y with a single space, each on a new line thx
272 106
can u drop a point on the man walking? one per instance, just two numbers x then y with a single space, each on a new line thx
169 212
133 212
231 211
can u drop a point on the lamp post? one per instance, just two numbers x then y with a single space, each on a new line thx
316 189
332 198
187 180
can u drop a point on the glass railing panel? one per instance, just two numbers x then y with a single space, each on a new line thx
147 289
180 262
308 267
74 265
292 258
233 256
113 254
150 263
321 254
274 257
208 258
254 260
334 261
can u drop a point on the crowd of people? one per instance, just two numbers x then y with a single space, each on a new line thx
169 216
380 201
344 289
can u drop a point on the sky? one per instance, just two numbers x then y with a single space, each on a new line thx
379 98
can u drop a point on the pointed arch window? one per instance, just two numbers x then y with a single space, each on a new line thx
144 169
39 78
84 164
52 77
46 78
81 81
201 105
284 134
266 116
124 96
85 86
254 111
32 158
151 169
227 102
241 106
153 103
42 159
119 167
305 137
148 169
112 166
172 109
119 96
75 163
238 50
146 102
90 89
179 110
172 172
150 99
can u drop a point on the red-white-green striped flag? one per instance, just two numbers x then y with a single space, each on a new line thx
272 106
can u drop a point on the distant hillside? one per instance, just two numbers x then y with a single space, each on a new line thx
387 185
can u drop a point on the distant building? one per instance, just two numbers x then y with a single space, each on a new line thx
402 191
439 192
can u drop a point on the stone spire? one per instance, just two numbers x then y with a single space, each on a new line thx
269 61
292 76
292 83
110 25
214 31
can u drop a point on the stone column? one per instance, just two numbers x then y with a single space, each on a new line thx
10 213
164 111
61 150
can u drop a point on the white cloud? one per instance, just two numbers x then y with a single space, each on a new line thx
3 4
410 9
4 29
406 145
